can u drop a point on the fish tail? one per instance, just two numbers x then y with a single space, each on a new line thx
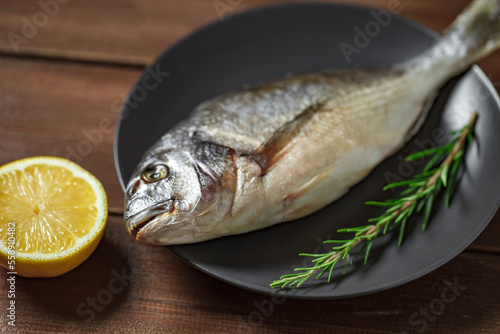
473 35
476 31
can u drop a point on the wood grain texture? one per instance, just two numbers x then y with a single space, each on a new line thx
135 32
60 94
67 110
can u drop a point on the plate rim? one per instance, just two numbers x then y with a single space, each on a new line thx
475 69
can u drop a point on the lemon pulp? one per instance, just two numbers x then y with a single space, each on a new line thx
52 212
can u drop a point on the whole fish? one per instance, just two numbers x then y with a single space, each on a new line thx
281 150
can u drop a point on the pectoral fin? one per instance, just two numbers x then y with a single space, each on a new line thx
269 153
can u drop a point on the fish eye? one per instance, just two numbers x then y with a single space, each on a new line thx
155 173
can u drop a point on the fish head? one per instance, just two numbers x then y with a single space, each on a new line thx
176 195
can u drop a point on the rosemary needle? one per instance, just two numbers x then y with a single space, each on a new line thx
420 195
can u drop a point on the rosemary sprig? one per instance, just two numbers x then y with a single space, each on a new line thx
419 196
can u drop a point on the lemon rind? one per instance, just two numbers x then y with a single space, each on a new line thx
100 204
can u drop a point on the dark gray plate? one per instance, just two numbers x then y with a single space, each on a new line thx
270 42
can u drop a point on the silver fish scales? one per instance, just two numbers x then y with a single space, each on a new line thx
281 150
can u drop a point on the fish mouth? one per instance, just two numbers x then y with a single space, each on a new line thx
148 216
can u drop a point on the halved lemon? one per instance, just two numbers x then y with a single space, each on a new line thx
52 216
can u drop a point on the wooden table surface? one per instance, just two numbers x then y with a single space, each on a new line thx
65 66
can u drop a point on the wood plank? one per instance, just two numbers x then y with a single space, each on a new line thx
66 110
135 32
164 295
